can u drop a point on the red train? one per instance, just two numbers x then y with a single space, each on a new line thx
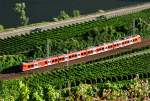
83 53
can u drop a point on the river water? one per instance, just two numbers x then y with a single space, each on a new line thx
45 10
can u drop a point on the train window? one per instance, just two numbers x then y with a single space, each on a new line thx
81 53
134 39
123 43
56 60
62 58
75 55
45 62
110 46
69 56
84 53
90 51
49 61
117 44
98 49
52 60
28 66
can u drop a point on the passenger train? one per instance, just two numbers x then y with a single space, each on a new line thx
79 54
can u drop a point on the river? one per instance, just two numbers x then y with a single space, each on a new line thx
45 10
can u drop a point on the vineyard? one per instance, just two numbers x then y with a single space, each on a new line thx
29 42
71 38
115 68
120 68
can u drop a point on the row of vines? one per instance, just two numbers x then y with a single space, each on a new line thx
122 26
122 68
123 90
70 38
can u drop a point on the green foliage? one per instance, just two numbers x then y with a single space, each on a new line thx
9 90
63 15
10 61
141 25
106 32
78 37
24 92
20 10
37 94
119 67
85 91
52 94
123 90
1 28
139 88
114 69
76 13
36 97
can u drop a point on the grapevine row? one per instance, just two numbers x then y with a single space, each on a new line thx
29 41
113 69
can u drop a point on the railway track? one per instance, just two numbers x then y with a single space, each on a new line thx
9 76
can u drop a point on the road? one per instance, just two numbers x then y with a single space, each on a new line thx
81 19
13 75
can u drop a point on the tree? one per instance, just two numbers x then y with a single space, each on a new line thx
85 91
76 13
1 28
20 10
63 15
37 94
141 25
122 28
113 92
11 98
24 92
138 88
52 94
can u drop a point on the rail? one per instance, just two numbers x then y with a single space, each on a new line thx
14 75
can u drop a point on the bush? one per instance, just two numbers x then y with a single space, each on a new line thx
1 28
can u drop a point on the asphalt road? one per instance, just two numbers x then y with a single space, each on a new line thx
81 19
